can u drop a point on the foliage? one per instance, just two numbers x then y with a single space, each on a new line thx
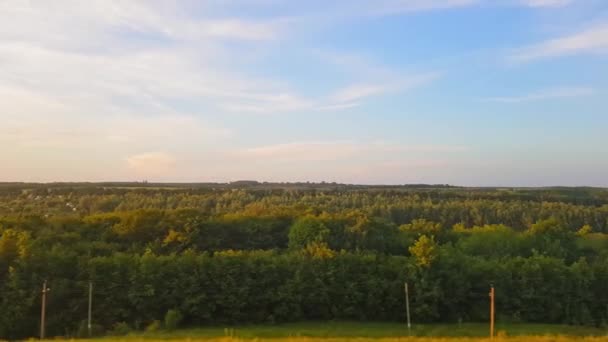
257 253
120 329
173 318
424 251
154 326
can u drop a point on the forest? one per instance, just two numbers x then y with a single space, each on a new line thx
249 252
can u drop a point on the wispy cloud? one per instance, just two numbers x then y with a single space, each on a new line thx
404 6
122 76
151 163
154 88
162 19
546 3
242 29
343 161
345 9
268 103
160 54
589 41
302 151
376 79
547 94
340 150
357 92
349 96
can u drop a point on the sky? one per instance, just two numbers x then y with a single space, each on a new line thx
462 92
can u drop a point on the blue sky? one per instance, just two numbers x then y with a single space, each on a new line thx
466 92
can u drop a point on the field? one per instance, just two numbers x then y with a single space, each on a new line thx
389 339
378 332
372 332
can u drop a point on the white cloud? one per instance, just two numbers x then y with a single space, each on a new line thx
339 106
265 104
54 23
553 93
120 77
341 161
546 3
591 40
403 6
351 94
302 151
60 50
153 164
138 55
166 129
367 79
340 150
37 119
357 91
241 29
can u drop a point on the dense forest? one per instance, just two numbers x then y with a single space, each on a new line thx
250 252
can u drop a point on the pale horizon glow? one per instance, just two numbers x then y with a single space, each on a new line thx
462 92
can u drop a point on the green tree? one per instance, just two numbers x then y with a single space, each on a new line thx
307 230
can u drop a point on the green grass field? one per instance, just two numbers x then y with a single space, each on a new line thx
553 338
326 330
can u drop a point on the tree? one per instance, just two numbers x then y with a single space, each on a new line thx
13 245
425 251
585 230
307 230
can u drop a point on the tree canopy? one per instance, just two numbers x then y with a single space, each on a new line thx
248 253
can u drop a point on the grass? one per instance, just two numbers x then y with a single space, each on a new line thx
317 331
393 339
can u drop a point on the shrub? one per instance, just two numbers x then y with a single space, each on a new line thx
154 326
83 330
172 319
120 329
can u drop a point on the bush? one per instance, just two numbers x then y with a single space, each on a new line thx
172 319
83 330
120 329
154 326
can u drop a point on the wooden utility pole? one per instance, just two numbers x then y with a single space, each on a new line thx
43 309
90 308
407 309
492 311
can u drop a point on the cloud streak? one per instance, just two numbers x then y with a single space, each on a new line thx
546 3
151 163
340 150
547 94
593 40
392 7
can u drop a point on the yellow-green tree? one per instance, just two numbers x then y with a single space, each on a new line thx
425 251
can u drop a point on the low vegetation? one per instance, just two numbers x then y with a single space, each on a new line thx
402 339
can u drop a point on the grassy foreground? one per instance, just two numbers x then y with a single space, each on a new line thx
393 339
378 332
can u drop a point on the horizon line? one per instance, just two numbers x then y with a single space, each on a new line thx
246 182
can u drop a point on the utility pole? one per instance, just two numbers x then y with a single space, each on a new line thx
492 311
90 307
407 309
45 289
